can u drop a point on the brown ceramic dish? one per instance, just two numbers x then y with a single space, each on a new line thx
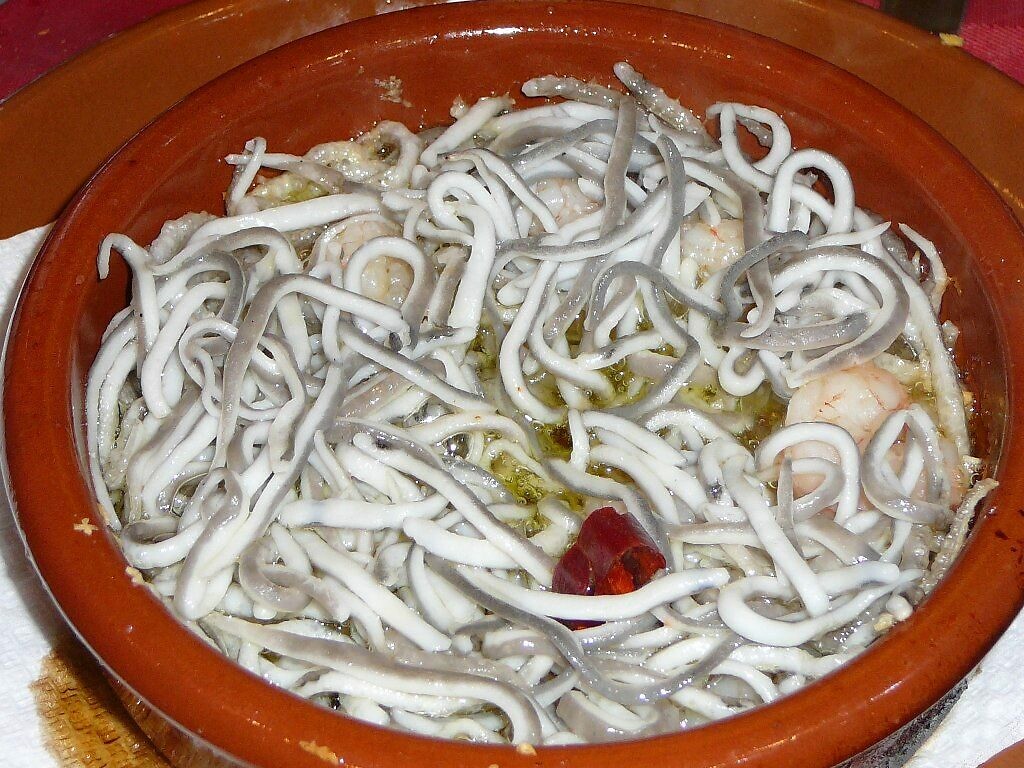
323 87
1011 757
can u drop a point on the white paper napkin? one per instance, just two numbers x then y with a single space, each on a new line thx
30 623
988 717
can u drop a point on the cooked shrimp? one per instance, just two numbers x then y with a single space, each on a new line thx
385 279
859 399
713 248
565 199
359 232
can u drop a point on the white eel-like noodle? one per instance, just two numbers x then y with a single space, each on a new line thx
347 429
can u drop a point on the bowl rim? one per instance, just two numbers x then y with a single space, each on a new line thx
799 719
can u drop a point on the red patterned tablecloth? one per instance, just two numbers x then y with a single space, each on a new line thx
993 30
37 35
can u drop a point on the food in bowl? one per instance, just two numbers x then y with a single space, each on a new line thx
553 425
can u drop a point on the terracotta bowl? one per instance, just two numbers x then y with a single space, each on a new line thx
325 87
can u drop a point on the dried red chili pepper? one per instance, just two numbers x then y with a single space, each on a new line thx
612 556
574 575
